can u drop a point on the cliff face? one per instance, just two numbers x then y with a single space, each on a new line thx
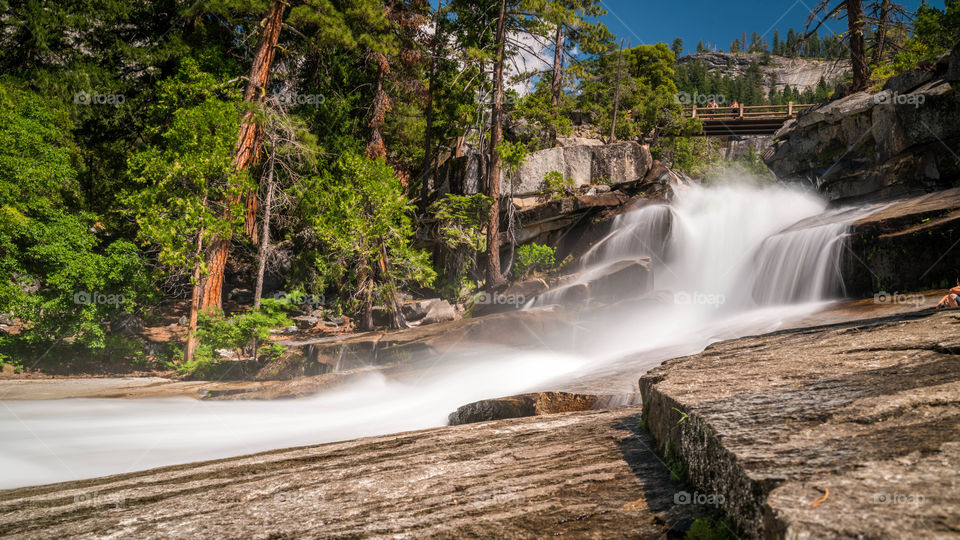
799 73
904 139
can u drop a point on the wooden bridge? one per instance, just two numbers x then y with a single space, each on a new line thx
744 120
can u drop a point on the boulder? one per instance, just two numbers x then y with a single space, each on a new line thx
584 164
521 406
306 322
417 309
565 142
620 163
622 279
438 312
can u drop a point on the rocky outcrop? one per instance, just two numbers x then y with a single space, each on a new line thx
584 164
800 73
841 431
576 475
869 146
615 282
908 245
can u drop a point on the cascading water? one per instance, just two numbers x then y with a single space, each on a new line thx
727 258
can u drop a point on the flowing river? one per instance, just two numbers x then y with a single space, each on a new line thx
726 261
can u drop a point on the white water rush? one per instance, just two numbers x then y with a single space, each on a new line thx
727 261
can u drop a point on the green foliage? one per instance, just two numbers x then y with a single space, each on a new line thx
460 220
712 529
534 258
512 154
555 186
363 223
934 32
183 181
647 91
63 278
242 333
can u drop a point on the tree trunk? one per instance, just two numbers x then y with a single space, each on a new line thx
428 132
244 154
265 235
881 32
494 277
858 53
194 297
616 95
556 85
381 104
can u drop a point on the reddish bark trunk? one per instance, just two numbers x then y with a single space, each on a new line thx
245 154
494 277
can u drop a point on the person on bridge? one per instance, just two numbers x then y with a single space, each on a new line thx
952 299
735 106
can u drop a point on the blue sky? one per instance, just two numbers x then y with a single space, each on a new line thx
719 23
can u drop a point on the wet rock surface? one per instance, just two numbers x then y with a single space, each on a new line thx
910 241
576 475
868 411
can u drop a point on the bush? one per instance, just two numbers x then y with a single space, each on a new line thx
459 230
555 186
534 258
239 333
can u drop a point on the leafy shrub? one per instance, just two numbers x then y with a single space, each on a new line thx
555 186
239 333
534 258
459 230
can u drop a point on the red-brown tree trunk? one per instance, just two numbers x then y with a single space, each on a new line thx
494 277
245 154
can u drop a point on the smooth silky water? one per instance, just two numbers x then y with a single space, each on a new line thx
727 263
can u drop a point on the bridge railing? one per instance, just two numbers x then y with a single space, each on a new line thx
746 112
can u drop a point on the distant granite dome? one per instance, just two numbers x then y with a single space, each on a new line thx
799 73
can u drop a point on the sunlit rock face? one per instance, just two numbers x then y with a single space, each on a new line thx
874 145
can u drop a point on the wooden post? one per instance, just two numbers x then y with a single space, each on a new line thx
790 108
741 111
694 112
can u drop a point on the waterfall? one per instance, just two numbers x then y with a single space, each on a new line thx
727 261
741 243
